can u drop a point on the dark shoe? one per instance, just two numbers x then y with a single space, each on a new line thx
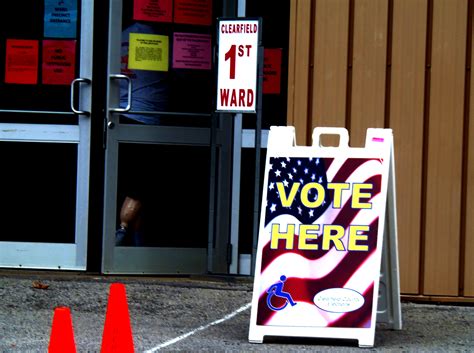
121 236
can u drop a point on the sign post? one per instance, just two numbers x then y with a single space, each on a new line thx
321 237
240 85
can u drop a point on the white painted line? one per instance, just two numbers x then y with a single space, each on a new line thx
201 328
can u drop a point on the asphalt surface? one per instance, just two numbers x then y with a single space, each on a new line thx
194 314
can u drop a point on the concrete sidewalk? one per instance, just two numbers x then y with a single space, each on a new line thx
190 310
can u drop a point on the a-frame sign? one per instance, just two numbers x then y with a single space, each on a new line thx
327 216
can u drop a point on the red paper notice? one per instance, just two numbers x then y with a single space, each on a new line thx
21 64
152 10
59 62
271 71
193 12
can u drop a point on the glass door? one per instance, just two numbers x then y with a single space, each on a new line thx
167 155
45 100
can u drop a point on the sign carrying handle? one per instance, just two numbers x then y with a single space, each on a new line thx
339 131
283 137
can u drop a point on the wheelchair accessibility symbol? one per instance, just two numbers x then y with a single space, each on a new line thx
277 291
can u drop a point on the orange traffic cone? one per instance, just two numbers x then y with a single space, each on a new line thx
62 335
117 336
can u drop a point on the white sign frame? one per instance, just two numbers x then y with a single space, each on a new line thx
237 65
281 143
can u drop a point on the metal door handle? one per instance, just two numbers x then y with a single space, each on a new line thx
73 83
129 96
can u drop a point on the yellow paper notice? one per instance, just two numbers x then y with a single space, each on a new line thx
148 52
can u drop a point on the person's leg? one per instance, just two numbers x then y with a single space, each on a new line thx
130 221
130 212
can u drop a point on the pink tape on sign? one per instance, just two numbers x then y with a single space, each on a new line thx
377 139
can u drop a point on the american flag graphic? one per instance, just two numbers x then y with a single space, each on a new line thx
308 272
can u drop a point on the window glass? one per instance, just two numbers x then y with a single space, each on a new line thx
275 38
38 188
163 194
39 58
167 52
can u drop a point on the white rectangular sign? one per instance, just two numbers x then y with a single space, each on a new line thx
237 65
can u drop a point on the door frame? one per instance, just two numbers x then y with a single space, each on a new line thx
162 260
60 255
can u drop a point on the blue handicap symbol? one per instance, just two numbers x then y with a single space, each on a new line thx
277 291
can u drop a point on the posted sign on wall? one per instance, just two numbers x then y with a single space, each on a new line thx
237 65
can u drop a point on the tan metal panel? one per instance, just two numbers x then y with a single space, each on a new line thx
406 120
444 161
300 33
469 258
368 67
330 63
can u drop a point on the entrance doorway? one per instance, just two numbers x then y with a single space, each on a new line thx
90 120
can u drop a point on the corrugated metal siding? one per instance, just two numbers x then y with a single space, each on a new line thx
404 65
